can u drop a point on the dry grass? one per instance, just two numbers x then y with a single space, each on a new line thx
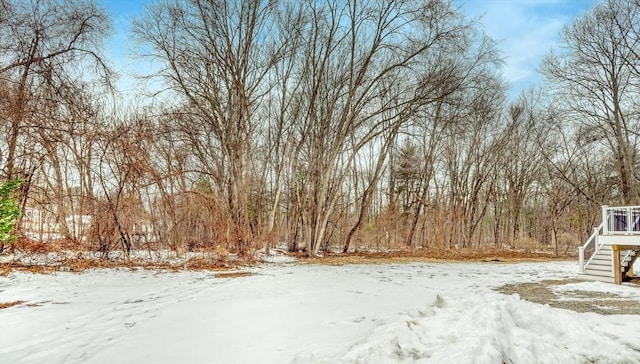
232 274
220 260
4 305
78 259
39 247
82 264
434 256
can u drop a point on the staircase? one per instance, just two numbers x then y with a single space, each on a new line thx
618 237
600 266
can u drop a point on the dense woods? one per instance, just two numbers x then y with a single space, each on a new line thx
317 125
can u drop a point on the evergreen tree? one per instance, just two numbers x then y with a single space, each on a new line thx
9 211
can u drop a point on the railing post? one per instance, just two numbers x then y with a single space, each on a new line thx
581 255
629 221
617 273
605 222
596 245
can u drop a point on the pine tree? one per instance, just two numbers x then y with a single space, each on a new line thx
9 211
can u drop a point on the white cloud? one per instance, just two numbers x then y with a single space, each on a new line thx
526 30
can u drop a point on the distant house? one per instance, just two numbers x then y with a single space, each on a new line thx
39 224
78 225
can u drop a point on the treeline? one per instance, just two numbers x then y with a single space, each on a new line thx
320 124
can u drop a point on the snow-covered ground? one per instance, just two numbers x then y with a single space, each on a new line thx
289 313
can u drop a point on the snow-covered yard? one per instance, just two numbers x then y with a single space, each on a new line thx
291 313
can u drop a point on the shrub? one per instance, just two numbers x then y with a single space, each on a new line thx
9 211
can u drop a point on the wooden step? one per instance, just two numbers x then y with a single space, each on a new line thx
608 263
601 260
589 277
601 268
605 266
600 273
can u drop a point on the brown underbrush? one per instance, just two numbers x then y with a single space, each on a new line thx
73 257
42 247
232 274
69 256
10 304
82 264
433 255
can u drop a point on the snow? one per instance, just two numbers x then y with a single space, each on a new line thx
627 290
292 313
276 256
161 256
489 330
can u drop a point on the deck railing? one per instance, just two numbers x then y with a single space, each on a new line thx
628 256
590 248
624 219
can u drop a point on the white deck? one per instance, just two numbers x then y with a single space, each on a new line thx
617 238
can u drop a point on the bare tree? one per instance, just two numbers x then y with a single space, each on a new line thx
44 46
470 155
41 43
216 55
354 53
521 163
597 85
280 112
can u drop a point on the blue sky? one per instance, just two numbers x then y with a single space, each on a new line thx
526 30
119 47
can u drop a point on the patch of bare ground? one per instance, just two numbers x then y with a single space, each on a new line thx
232 274
432 255
4 305
580 301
